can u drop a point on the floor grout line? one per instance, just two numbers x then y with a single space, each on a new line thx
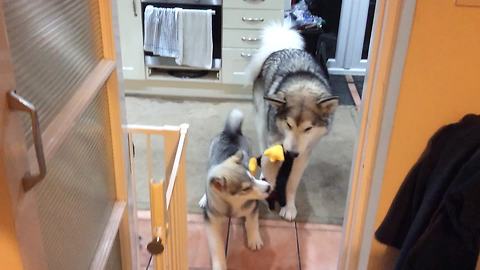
353 91
298 247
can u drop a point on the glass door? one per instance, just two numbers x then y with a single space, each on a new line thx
63 162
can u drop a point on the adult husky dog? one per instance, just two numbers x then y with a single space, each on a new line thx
231 191
292 99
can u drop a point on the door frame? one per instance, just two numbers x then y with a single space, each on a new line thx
388 48
19 207
122 222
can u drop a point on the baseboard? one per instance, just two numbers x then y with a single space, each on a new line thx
188 90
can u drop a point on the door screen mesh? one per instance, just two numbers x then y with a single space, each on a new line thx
54 45
77 196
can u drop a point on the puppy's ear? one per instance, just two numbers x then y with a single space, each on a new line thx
238 157
327 105
276 100
218 183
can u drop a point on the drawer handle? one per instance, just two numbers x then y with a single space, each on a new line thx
249 19
250 39
246 55
16 102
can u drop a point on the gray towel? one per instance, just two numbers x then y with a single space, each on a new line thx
195 33
161 31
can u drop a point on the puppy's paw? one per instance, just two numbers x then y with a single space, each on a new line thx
288 212
255 243
203 201
219 265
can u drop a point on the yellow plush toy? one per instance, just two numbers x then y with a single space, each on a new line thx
274 153
276 167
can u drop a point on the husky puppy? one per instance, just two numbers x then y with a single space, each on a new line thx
231 191
292 99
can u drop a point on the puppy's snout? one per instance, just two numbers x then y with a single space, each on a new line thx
293 154
269 188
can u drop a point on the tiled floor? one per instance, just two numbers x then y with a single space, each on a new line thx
286 245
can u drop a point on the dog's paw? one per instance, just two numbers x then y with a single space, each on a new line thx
255 243
219 266
203 201
288 212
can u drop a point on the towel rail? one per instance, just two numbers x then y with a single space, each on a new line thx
211 8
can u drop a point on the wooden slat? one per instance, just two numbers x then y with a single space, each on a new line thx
157 207
182 176
125 190
181 213
106 24
146 129
149 155
55 133
111 230
176 163
170 142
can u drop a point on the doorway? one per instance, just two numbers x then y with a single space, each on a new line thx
322 194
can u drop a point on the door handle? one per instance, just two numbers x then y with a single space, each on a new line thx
18 103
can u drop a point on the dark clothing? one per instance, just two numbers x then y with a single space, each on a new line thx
435 217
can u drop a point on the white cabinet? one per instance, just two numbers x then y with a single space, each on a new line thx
241 38
249 18
242 25
253 4
234 64
131 39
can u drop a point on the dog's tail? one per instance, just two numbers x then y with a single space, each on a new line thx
233 125
275 37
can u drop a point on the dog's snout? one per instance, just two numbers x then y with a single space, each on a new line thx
293 154
269 188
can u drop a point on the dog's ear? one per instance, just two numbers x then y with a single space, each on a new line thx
327 105
218 183
276 100
238 157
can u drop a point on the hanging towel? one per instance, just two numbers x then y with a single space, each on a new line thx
161 31
195 35
149 22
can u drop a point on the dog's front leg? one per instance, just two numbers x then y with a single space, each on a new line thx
215 242
254 239
289 211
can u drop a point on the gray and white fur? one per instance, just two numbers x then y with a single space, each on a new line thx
294 106
231 191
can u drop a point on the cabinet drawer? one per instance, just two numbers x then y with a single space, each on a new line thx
249 18
241 38
233 65
253 4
